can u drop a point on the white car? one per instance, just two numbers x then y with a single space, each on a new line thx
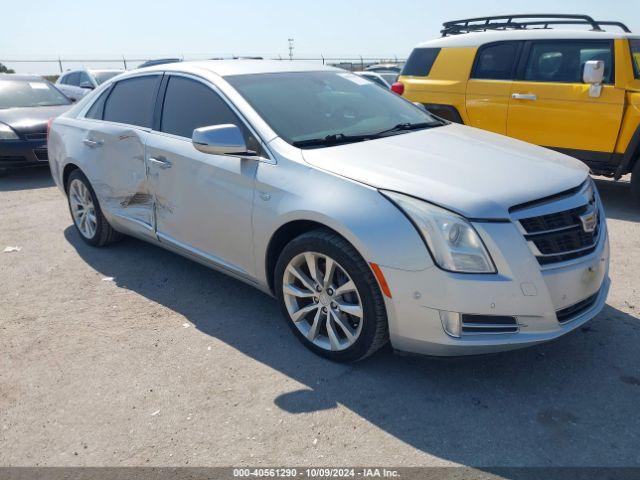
369 219
75 84
384 78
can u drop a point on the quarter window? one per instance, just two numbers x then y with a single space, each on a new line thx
189 104
132 101
563 62
420 62
635 54
496 62
97 109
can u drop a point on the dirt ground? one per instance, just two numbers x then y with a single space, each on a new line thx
132 355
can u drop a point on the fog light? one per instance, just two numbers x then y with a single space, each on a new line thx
451 323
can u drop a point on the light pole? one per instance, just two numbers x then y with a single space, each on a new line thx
291 49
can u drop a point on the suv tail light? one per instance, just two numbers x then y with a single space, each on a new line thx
398 88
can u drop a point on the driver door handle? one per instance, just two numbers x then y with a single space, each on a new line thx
524 96
160 162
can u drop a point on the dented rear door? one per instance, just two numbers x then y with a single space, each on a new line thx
120 175
117 145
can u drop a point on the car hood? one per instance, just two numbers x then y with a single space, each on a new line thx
473 172
31 119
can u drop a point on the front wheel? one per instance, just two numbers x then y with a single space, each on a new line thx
330 297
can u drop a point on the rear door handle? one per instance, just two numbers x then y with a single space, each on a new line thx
160 162
524 96
89 142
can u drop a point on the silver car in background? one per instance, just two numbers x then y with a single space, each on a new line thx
75 84
366 217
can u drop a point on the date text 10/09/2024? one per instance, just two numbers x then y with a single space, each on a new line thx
315 472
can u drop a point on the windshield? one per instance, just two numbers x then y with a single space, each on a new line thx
302 106
102 77
635 53
33 93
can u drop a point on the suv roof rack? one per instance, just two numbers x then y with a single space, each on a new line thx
524 22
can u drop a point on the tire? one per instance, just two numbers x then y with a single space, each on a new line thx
635 182
337 304
102 233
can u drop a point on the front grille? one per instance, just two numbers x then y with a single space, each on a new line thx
562 236
474 324
569 313
36 136
41 154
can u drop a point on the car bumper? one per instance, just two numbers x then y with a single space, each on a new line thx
23 153
523 290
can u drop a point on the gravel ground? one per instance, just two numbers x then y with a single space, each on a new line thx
131 355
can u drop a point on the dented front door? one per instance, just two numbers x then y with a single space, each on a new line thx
119 175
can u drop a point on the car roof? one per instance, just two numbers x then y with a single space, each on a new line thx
241 67
21 78
476 39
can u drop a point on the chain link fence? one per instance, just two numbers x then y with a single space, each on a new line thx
53 67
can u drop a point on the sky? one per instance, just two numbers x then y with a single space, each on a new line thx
198 29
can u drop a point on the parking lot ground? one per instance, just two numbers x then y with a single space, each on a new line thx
131 355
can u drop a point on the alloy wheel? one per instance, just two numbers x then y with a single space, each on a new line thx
323 301
83 208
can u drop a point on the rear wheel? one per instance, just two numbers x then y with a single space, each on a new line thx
86 213
635 182
330 297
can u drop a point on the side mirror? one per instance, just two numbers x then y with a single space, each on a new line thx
224 139
87 85
593 74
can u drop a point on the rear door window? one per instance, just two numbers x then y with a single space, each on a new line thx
496 62
420 62
132 101
563 61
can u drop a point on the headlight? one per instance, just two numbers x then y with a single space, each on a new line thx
7 133
451 239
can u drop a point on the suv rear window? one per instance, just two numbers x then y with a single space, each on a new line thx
132 101
635 55
496 62
420 62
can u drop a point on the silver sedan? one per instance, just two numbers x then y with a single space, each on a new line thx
369 219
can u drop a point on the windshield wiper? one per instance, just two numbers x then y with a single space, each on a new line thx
340 138
402 127
334 139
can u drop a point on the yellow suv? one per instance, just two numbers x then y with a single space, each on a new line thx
575 91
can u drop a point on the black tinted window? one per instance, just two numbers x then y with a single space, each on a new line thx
496 62
563 61
420 62
189 104
132 101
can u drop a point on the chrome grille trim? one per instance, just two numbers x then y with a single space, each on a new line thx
557 232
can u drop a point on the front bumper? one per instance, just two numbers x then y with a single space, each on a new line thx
23 153
522 290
